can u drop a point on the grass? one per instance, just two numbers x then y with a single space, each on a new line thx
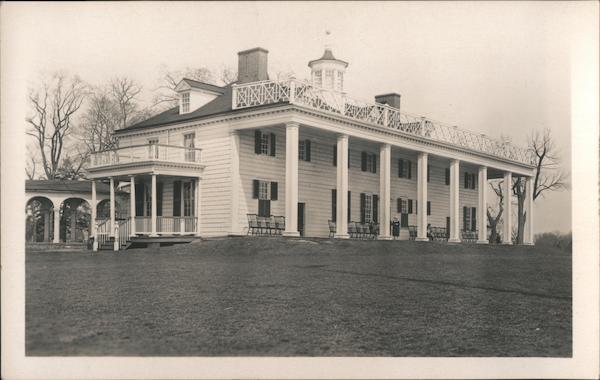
288 297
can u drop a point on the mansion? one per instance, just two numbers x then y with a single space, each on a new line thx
306 151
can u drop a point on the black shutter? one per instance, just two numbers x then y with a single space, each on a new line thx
473 218
448 226
465 214
466 180
177 198
159 198
375 208
255 185
428 173
362 207
363 162
404 220
428 208
273 191
307 150
447 176
257 142
409 169
349 206
401 168
399 205
335 155
410 210
416 207
333 205
473 181
273 150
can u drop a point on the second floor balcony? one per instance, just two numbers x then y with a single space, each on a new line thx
145 153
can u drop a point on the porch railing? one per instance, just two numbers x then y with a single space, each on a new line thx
146 152
103 231
124 227
166 225
308 95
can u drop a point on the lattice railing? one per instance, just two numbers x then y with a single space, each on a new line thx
305 94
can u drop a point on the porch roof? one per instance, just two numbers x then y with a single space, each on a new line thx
65 186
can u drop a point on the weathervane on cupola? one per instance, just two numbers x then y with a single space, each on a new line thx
327 71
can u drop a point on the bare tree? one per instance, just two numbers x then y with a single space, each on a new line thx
124 92
548 175
31 165
53 109
494 220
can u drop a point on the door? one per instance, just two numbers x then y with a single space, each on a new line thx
301 220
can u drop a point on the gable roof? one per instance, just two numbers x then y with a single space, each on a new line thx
203 86
220 105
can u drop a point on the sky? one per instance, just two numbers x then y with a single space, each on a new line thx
492 67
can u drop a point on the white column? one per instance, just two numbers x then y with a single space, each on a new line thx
341 217
236 228
132 206
93 206
422 197
482 189
153 213
528 238
56 227
454 202
507 191
197 211
291 180
385 157
112 207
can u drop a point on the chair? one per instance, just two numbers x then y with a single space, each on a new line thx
253 226
279 225
352 229
263 224
331 228
412 232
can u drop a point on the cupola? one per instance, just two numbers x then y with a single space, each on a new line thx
328 71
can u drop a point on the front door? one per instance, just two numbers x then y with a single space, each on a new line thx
301 219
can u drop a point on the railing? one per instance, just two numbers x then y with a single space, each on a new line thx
308 95
143 224
176 224
124 228
103 231
145 152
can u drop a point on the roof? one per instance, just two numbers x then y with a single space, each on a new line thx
327 56
220 105
204 86
72 186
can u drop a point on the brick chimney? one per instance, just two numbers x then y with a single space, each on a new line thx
252 65
392 100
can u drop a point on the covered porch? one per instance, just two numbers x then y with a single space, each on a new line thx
163 183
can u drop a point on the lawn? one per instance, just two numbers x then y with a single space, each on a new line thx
288 297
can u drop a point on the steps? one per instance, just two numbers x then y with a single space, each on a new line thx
109 245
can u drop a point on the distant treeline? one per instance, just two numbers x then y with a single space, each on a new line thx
555 239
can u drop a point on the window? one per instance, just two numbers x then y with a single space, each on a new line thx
304 150
339 81
328 78
318 78
470 218
188 199
265 192
153 148
369 162
368 208
185 102
264 143
404 168
470 180
188 143
404 206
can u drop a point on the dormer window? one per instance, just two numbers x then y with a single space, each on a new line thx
185 102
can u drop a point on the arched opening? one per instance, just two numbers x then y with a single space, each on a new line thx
75 216
39 222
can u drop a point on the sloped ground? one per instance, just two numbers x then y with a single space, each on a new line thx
287 297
